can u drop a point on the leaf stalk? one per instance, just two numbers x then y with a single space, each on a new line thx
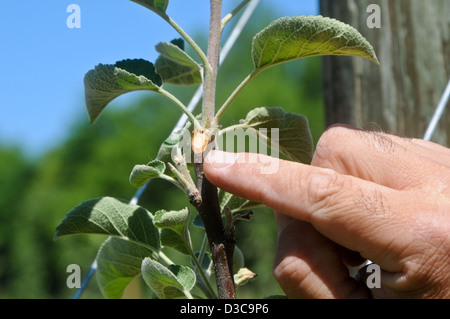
233 13
189 40
180 104
233 96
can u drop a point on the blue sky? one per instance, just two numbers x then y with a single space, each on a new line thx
43 62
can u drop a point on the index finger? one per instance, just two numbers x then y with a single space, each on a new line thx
347 210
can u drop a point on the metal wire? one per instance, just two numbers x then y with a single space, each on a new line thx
86 280
234 35
438 114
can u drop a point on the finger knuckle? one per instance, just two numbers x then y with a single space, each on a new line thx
324 186
290 270
328 146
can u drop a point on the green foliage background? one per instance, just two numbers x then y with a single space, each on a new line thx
96 160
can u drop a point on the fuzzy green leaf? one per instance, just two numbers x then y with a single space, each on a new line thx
234 203
175 66
294 140
113 217
166 281
174 232
176 220
118 263
141 174
174 51
107 82
158 6
172 239
288 39
169 146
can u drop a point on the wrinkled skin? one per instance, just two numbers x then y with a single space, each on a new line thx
366 196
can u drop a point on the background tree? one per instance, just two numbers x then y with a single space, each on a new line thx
413 46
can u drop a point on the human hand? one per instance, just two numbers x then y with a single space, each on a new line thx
365 196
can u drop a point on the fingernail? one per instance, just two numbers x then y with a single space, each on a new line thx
220 160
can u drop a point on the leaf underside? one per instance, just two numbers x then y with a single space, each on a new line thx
118 263
288 39
175 220
167 282
174 232
158 6
175 66
141 174
234 203
113 217
107 82
294 140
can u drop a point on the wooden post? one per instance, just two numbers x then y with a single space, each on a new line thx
401 95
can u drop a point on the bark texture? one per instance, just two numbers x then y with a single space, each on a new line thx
401 95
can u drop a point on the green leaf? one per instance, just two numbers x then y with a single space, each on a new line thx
118 263
294 140
234 203
158 6
141 174
176 220
172 239
175 66
107 82
178 143
165 281
169 145
174 51
113 217
288 39
174 233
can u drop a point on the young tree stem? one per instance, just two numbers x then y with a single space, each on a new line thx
221 245
209 89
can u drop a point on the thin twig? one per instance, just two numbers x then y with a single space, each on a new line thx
232 97
183 108
237 29
189 40
233 13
